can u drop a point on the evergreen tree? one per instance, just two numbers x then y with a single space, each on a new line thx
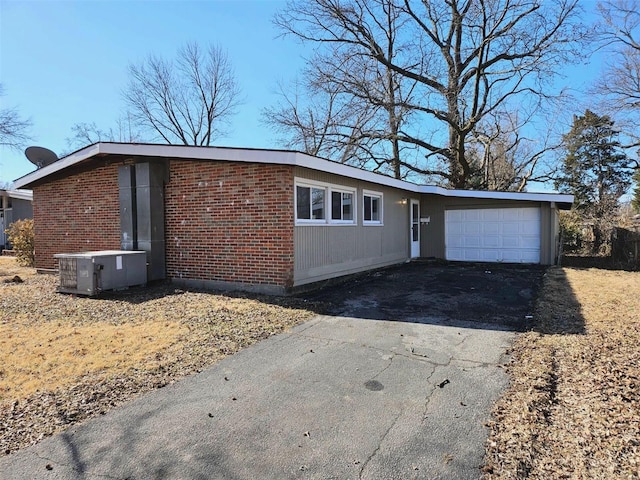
595 170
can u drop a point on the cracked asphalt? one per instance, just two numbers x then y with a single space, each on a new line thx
366 393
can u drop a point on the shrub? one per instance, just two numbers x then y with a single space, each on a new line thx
21 237
572 229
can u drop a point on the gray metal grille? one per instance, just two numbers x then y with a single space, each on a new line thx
68 275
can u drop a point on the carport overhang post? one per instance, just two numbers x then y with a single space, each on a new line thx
548 220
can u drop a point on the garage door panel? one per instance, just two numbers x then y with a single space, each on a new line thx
472 215
456 242
456 228
511 241
521 256
531 243
530 214
473 241
490 215
491 241
493 235
455 215
487 255
511 228
491 228
472 228
512 256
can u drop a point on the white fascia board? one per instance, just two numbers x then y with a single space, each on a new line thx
21 194
526 196
278 157
227 154
315 163
168 151
61 164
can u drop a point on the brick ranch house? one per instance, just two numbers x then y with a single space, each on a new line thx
272 220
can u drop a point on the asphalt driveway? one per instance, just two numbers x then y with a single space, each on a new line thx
396 383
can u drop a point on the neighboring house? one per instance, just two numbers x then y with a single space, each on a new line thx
270 220
14 205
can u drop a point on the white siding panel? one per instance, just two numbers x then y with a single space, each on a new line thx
493 235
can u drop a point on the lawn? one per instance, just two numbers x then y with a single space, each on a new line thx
65 358
573 407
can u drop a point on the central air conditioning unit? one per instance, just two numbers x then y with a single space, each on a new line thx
89 273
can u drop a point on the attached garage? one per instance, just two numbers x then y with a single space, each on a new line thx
511 235
272 220
474 226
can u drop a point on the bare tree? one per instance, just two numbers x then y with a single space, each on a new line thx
467 58
331 119
189 100
361 103
88 133
13 128
324 124
504 158
620 83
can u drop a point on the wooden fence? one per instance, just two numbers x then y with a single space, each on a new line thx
625 244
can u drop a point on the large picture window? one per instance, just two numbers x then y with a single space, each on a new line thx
372 208
318 203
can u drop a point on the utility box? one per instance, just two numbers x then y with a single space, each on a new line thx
89 273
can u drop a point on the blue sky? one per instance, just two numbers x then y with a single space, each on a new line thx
65 62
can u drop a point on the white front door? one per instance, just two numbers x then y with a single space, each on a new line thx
415 229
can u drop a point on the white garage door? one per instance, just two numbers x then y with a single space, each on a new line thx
493 235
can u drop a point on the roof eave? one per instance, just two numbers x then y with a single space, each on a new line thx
280 157
30 178
559 198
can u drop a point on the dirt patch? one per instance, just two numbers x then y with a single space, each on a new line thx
573 407
65 358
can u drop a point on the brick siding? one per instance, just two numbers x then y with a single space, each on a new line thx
224 222
230 222
78 213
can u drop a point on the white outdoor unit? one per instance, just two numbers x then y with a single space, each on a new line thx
89 273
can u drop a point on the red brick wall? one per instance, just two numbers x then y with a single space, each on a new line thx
230 222
227 222
78 213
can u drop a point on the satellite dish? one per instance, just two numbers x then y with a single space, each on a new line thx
40 156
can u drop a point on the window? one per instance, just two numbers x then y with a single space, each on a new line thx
319 203
372 208
310 203
342 206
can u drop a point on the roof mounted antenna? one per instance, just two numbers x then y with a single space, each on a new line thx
40 156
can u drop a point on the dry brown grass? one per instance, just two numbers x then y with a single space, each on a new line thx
55 355
9 268
573 407
65 358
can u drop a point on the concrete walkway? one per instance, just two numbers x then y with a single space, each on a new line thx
336 397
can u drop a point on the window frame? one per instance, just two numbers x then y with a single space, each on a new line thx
341 191
329 189
380 197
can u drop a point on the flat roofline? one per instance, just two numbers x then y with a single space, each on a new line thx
277 157
20 194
